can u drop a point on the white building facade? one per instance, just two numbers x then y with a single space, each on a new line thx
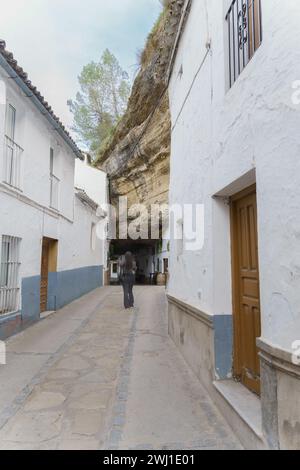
49 255
234 305
95 184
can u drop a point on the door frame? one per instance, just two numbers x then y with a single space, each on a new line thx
52 250
44 254
237 366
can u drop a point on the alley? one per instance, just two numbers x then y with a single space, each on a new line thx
94 376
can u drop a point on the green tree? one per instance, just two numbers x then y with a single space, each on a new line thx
101 102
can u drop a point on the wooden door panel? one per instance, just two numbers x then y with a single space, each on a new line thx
246 290
250 287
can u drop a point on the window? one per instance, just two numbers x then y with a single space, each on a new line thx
51 161
13 151
244 24
11 122
93 236
9 274
54 183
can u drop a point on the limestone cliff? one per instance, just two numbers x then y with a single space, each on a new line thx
137 159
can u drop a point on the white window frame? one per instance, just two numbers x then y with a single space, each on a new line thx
54 183
10 126
13 152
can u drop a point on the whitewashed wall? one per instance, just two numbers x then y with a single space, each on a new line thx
35 135
219 140
27 214
92 181
80 251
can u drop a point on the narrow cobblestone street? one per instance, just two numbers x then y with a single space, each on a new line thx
94 376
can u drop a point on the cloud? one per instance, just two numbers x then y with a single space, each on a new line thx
54 39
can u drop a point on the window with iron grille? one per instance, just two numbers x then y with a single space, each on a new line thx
244 22
9 274
13 152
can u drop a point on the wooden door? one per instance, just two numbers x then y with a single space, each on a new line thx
247 322
44 275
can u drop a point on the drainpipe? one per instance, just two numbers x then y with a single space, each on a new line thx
28 93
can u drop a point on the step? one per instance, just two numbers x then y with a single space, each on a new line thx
242 410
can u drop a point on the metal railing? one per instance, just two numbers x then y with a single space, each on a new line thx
13 154
244 20
54 192
9 274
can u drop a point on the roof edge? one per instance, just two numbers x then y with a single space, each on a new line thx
20 77
83 196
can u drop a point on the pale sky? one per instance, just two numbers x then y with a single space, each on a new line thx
53 39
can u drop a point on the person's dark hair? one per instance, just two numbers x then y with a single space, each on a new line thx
128 261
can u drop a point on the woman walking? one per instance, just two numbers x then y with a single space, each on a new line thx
127 268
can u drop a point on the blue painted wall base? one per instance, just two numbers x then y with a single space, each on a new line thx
31 299
63 288
66 286
223 333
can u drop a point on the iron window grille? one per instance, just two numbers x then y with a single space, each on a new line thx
244 21
9 274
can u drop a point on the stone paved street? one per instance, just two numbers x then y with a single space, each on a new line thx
95 376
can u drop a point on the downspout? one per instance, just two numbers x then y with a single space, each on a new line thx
12 74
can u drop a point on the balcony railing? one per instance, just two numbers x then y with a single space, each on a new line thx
54 192
244 21
13 161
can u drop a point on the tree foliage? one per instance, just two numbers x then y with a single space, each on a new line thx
101 102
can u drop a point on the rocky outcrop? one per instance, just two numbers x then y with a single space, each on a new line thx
137 159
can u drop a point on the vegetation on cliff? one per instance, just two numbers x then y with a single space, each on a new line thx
101 102
137 155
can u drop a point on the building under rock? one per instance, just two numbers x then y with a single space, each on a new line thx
137 159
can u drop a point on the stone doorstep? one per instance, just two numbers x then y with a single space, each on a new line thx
246 406
46 314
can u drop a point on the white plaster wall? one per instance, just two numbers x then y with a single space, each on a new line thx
23 221
36 136
31 225
75 247
92 181
222 135
191 272
26 214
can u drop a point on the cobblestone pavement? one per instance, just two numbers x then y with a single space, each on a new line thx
94 376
